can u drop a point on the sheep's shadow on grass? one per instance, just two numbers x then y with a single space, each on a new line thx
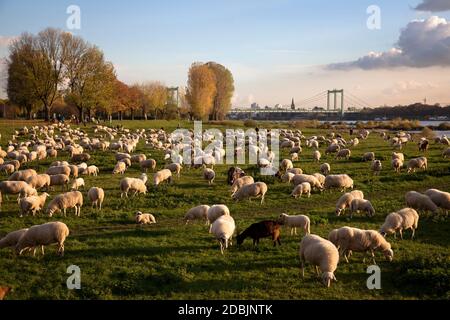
138 231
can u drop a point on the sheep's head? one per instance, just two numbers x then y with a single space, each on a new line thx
327 277
338 211
282 218
389 254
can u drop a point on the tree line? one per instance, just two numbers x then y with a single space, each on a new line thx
56 70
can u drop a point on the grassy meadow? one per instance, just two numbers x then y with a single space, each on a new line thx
168 260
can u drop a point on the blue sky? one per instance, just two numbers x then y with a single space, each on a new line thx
265 43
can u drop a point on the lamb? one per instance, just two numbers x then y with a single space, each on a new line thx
174 168
217 211
417 163
368 156
258 189
58 170
343 154
325 169
316 155
322 254
197 213
223 229
91 170
263 229
345 201
404 219
397 164
32 204
22 175
133 184
294 222
302 188
349 239
77 184
148 164
39 181
60 180
120 167
340 181
82 157
42 235
144 218
376 167
11 239
361 205
96 196
286 164
420 201
161 176
440 198
312 180
68 200
209 175
240 182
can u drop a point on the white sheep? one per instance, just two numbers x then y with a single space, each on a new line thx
197 213
339 181
96 196
32 204
322 254
148 164
17 187
119 168
58 170
417 163
404 219
68 200
397 164
376 167
325 168
349 239
294 222
91 170
312 180
60 180
42 235
420 201
144 218
133 184
316 155
12 238
345 200
286 164
77 184
302 188
174 168
440 198
368 156
287 177
161 176
209 175
216 211
22 175
39 181
361 205
254 190
223 229
8 168
343 154
240 182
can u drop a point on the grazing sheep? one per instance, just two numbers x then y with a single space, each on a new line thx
294 222
316 155
7 168
376 167
322 254
82 157
263 229
368 156
197 213
58 170
223 229
287 177
96 196
404 219
361 205
233 174
343 154
417 163
217 211
133 184
286 164
420 201
22 175
39 181
74 171
332 148
319 177
446 153
137 158
440 198
398 155
148 164
77 184
119 168
17 187
60 180
294 156
144 218
174 168
295 171
325 169
312 180
52 153
209 175
161 176
91 170
42 235
240 182
397 164
340 181
349 239
423 145
126 161
32 204
345 201
302 188
72 199
11 239
59 163
254 190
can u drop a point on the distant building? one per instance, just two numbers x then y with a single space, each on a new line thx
254 106
278 106
292 104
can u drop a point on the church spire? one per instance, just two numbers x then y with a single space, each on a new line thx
293 104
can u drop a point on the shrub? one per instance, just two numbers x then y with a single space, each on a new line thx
250 123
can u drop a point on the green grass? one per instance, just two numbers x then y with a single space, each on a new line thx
169 260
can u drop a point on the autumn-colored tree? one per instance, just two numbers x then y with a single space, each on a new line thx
155 97
224 91
201 90
126 99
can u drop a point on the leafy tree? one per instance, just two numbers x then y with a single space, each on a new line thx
201 90
224 91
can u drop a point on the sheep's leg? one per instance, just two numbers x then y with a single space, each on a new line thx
79 211
42 250
401 233
373 257
295 231
317 271
262 199
292 231
413 233
64 212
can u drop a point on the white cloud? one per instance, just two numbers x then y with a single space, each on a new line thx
423 43
433 5
408 86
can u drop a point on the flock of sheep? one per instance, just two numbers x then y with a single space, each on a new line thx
52 140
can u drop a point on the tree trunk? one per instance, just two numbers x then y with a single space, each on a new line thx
46 113
132 114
